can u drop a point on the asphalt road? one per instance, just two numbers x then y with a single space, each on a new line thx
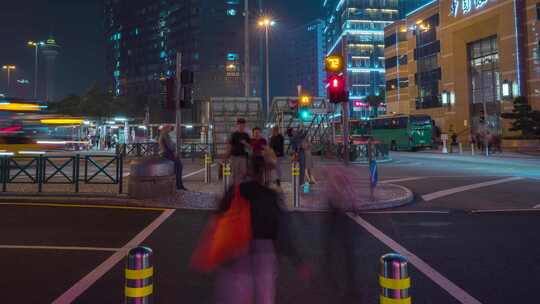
466 240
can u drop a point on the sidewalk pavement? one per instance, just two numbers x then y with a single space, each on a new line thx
347 189
338 188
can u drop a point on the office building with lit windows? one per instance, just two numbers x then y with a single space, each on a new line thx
463 61
144 36
355 29
304 55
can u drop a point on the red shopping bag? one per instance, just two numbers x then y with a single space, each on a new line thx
225 237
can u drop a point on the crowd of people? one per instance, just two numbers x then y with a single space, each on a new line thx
266 156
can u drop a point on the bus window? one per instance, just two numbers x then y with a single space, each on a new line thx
420 120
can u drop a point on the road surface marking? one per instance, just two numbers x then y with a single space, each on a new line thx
59 248
447 192
83 284
459 294
82 206
506 210
406 179
406 212
185 176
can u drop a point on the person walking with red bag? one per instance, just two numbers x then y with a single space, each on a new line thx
246 268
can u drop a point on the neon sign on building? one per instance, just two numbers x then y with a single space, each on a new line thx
465 6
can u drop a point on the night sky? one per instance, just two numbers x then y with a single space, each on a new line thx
78 28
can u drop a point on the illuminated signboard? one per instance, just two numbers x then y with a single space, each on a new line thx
465 6
334 63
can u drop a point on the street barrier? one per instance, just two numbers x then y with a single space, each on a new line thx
44 170
138 149
226 176
295 184
394 279
194 150
139 274
208 168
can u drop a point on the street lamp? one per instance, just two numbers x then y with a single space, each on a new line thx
267 22
8 68
36 46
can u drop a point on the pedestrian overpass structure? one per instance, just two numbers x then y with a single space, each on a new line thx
319 128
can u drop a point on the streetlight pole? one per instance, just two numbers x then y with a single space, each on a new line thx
247 55
8 68
36 46
267 74
267 23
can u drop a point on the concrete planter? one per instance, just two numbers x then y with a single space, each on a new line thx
521 144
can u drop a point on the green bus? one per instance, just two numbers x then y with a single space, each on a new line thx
403 132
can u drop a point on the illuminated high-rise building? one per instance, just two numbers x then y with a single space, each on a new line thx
144 36
355 29
50 51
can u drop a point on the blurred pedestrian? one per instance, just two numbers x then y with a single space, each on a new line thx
167 150
258 144
308 155
237 151
277 143
251 278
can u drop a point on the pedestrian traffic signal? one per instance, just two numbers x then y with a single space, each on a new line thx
305 114
334 64
305 101
336 89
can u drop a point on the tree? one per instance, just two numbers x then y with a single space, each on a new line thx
525 120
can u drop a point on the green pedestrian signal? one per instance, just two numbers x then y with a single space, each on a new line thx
305 115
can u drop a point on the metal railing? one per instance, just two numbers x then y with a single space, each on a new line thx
45 170
138 149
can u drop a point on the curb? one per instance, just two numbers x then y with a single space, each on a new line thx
405 199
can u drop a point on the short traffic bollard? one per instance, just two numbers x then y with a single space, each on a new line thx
226 176
460 148
472 149
139 287
296 184
394 279
207 168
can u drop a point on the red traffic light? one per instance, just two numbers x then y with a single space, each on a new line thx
336 83
336 89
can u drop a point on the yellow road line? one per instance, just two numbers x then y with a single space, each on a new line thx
82 206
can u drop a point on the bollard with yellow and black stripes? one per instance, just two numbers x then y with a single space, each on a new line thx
208 168
139 276
226 176
394 279
295 168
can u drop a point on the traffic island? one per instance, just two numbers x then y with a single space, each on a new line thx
341 188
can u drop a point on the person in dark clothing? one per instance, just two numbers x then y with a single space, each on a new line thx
167 150
252 278
258 144
238 143
277 143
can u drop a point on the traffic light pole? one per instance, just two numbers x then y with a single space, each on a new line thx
179 97
345 112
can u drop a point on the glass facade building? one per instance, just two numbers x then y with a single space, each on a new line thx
304 55
355 29
144 36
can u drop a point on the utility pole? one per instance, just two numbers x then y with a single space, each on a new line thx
247 67
179 97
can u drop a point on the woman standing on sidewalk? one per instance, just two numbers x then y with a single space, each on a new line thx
306 146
